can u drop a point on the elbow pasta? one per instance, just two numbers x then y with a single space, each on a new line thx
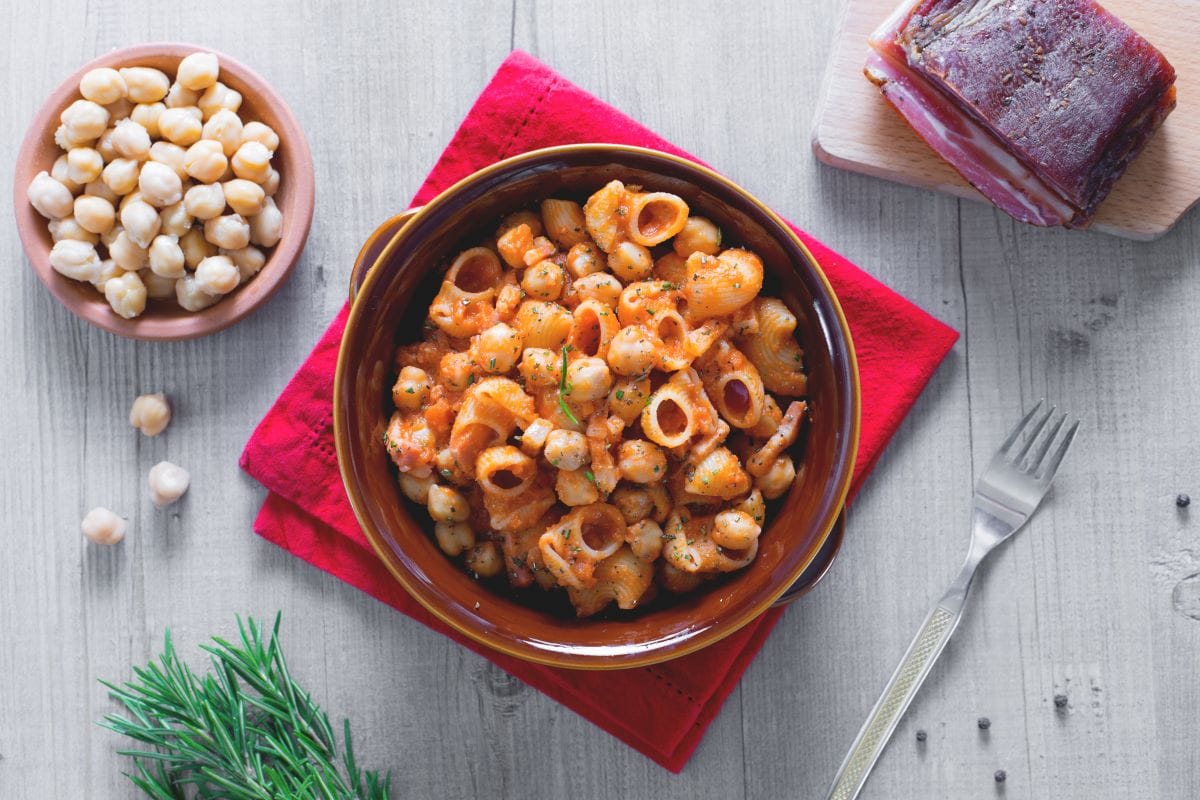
602 402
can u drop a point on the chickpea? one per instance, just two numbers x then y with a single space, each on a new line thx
190 296
197 71
584 259
540 367
630 262
544 280
454 537
104 146
447 505
118 110
271 184
266 227
84 165
150 414
172 155
67 139
632 351
414 488
261 133
498 348
111 235
84 121
179 96
94 214
484 560
252 161
167 482
131 140
195 247
589 379
205 161
126 294
180 126
166 256
52 199
108 271
699 235
69 228
243 196
100 189
101 526
147 115
205 202
573 488
75 259
778 479
645 539
127 253
141 222
735 530
61 172
641 461
121 175
229 232
567 450
157 287
159 184
249 260
217 275
102 86
218 96
224 127
633 502
176 221
145 84
411 389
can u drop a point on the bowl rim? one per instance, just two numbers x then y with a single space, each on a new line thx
278 267
573 658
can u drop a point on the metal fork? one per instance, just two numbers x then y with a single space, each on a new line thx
1006 495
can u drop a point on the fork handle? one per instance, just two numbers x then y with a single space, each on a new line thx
928 644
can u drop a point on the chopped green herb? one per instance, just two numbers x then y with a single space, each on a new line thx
620 394
587 473
564 389
492 362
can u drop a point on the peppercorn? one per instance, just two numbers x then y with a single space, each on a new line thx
1001 776
984 723
1183 501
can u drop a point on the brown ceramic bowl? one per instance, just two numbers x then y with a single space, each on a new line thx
164 319
388 309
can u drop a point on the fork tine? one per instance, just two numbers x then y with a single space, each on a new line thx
1037 429
1047 474
1012 437
1045 447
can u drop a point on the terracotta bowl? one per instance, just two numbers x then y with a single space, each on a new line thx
388 308
164 319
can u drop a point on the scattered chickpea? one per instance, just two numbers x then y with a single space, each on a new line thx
167 482
127 253
166 256
84 120
69 228
120 175
230 231
195 247
150 414
131 140
411 388
101 526
218 96
190 296
147 115
118 110
266 227
205 161
454 537
172 155
100 189
252 161
60 171
157 287
249 261
205 201
176 221
566 449
484 560
84 165
447 505
197 71
108 271
414 488
225 127
141 221
75 259
244 197
179 96
145 84
262 133
180 126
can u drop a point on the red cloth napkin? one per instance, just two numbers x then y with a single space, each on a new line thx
663 710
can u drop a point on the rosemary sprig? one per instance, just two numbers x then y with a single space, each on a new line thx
564 388
244 731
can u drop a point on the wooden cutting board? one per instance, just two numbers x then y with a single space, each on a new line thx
857 129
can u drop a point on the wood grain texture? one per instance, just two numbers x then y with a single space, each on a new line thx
856 129
1080 603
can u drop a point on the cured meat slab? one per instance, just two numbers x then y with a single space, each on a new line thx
858 130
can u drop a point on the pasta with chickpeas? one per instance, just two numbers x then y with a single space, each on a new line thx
602 402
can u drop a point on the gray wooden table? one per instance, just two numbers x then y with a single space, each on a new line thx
1081 603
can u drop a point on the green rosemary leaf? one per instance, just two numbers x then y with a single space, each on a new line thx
563 389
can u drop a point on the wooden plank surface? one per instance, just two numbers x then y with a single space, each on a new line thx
856 129
1080 603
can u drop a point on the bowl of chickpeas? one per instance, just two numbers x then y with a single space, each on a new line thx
163 191
596 406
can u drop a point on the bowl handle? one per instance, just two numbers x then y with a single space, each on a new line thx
374 247
819 566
